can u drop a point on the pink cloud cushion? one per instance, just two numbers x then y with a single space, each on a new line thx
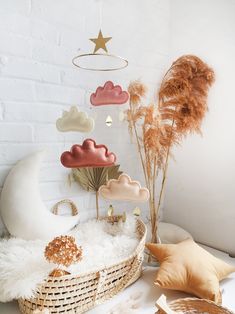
109 95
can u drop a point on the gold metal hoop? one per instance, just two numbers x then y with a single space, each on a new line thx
125 64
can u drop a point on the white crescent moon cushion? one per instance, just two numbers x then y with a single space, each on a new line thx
21 207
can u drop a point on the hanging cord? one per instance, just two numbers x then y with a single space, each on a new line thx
100 12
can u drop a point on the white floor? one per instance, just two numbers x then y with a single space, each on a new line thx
141 296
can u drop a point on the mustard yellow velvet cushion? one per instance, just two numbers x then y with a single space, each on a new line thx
188 267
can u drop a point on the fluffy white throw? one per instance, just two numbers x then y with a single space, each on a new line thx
23 266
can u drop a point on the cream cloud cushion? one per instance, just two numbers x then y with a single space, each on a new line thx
75 120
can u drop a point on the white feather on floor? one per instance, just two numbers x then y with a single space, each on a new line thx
23 266
128 306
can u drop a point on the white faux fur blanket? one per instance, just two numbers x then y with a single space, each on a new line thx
23 266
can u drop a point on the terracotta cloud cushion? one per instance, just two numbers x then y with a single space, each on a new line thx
188 267
89 154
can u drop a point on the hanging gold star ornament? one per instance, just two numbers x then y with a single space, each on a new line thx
100 43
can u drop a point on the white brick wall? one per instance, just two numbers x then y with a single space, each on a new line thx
38 39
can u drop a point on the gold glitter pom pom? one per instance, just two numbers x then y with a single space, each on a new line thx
63 251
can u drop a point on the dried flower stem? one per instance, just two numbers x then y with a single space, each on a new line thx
164 174
139 148
154 209
140 152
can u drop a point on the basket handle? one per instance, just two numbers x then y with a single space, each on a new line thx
73 207
161 304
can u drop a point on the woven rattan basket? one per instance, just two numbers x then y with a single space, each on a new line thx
196 306
77 294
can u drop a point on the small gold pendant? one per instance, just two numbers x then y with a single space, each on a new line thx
109 121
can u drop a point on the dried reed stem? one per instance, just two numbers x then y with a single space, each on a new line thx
182 104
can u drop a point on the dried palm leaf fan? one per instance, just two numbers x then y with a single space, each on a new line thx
182 104
92 165
90 179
